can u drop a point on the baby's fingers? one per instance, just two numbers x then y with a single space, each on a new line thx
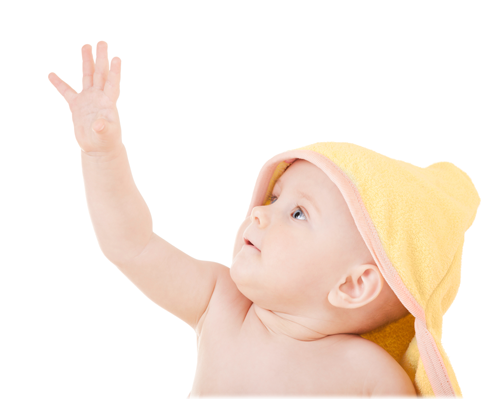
112 86
88 66
101 65
62 87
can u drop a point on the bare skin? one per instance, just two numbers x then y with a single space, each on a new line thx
280 320
238 354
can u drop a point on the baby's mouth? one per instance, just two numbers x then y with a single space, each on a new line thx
248 242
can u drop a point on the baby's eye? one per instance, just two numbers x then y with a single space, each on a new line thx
273 198
300 210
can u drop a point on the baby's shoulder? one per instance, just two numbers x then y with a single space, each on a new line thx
227 304
383 374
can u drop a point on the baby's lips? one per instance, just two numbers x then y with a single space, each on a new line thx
291 160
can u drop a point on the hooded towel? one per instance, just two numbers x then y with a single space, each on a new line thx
413 221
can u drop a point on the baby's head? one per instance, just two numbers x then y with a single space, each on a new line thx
309 259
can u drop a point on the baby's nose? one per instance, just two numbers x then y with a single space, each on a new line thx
258 213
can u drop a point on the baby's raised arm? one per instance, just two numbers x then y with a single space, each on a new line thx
121 218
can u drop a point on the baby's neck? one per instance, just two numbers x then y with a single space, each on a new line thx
290 327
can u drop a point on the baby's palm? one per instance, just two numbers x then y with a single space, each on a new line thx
95 105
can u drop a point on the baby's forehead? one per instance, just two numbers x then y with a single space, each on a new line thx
306 178
306 174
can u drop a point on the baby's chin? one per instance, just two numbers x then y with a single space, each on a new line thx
239 269
241 279
243 270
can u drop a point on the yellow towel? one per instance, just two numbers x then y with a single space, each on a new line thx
413 221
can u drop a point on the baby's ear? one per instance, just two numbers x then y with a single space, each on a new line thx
356 288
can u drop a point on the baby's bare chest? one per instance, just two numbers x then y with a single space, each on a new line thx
241 361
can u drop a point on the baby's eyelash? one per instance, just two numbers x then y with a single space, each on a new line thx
270 197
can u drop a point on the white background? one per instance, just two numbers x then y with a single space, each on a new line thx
210 91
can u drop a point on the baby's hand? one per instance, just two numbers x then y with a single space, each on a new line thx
95 116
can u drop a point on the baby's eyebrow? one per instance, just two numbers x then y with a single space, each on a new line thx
310 199
303 194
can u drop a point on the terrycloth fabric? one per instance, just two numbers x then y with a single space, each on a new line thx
413 221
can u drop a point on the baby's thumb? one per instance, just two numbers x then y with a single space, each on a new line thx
100 126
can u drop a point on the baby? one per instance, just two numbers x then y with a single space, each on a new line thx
286 318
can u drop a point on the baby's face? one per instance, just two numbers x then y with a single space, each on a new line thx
302 245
